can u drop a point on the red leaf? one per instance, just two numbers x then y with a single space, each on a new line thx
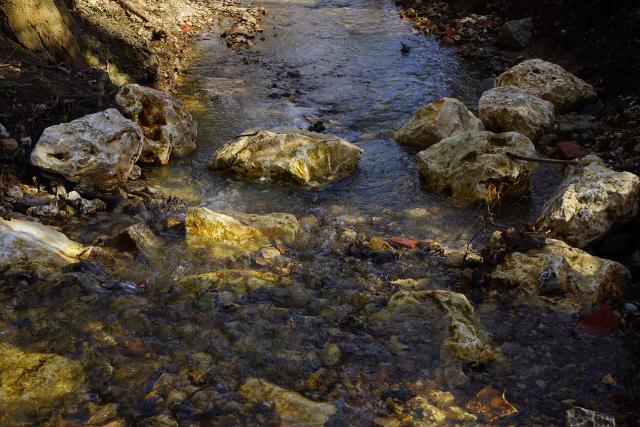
599 322
409 243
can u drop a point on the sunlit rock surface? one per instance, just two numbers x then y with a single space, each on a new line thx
508 108
169 129
232 233
432 407
548 81
34 247
35 381
96 151
292 408
476 167
436 121
287 154
584 278
589 202
450 317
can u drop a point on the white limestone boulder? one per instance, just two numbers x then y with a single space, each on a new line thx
550 82
168 127
591 200
510 109
95 151
478 167
437 120
287 154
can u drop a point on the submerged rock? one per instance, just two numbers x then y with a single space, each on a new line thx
548 81
515 34
436 121
584 278
34 247
238 282
581 417
228 233
167 126
509 108
459 329
477 167
31 382
293 408
590 201
287 154
96 151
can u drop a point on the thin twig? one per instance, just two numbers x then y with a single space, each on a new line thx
542 159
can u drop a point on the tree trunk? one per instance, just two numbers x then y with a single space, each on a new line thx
43 27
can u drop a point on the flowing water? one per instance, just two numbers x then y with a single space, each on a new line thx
166 352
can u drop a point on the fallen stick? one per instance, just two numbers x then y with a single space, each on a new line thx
543 160
126 6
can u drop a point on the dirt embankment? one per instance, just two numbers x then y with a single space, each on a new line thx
122 41
599 37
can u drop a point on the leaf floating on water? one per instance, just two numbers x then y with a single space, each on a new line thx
599 322
492 404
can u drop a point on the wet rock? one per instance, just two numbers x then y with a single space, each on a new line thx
34 247
508 108
580 417
584 278
515 34
459 329
84 206
492 404
288 154
477 167
35 381
145 240
439 408
230 233
330 354
168 127
292 407
238 282
550 82
4 133
95 151
436 121
589 203
103 415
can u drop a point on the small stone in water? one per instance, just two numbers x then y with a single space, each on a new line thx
401 241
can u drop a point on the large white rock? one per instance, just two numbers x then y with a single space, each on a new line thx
288 154
34 247
167 126
589 202
548 81
227 233
436 121
476 166
509 108
96 151
584 278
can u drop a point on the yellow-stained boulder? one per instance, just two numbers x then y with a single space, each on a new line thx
584 278
287 154
228 233
477 167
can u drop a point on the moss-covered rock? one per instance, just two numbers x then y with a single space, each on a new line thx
30 382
